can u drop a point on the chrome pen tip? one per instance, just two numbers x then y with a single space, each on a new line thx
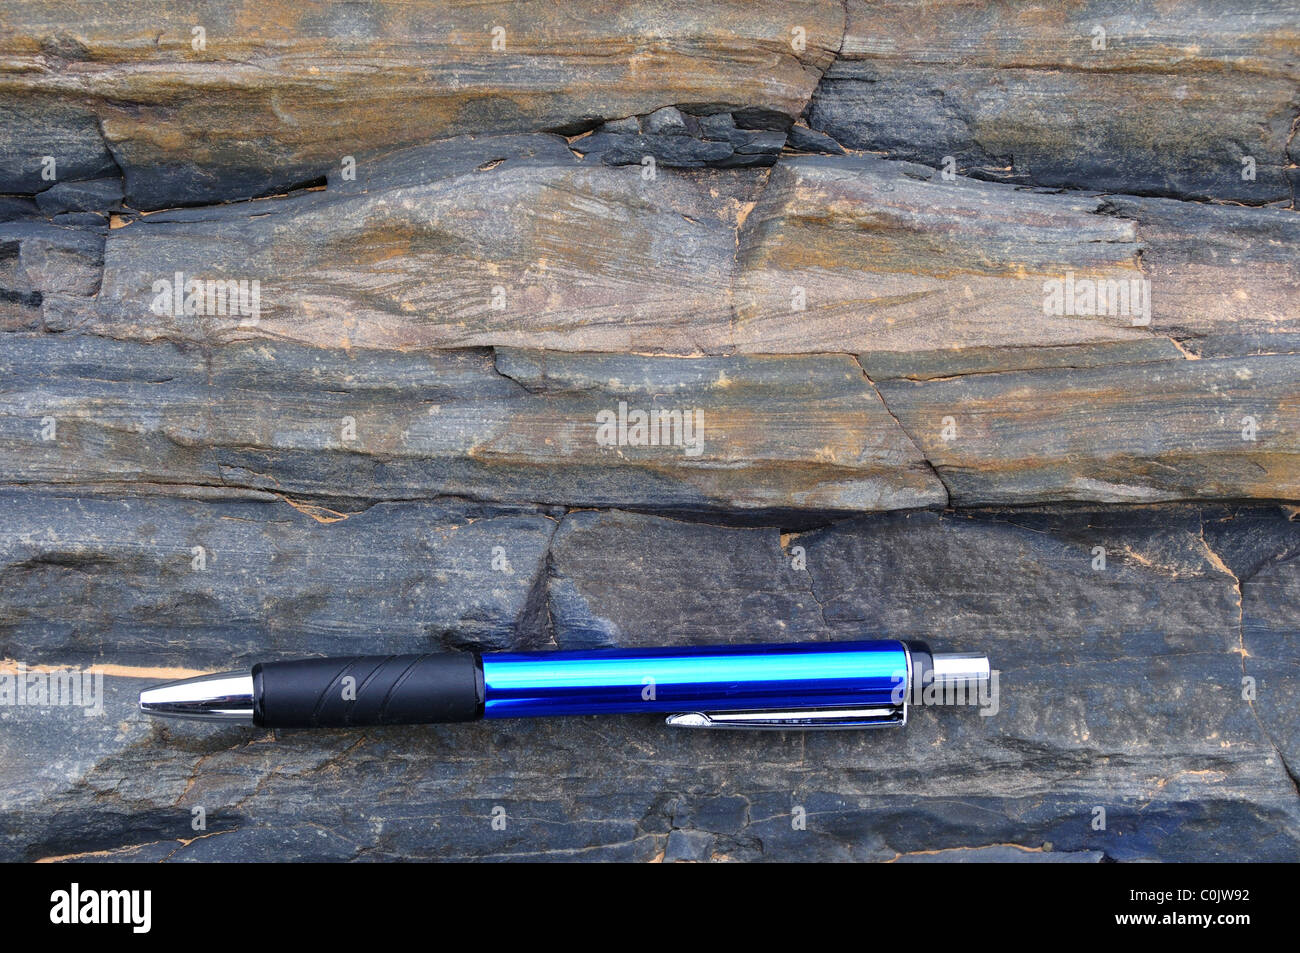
961 667
226 697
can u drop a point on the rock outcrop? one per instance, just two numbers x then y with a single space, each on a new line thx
436 325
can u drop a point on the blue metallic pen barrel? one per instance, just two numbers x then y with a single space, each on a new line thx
718 678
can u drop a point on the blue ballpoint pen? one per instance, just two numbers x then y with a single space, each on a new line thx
794 686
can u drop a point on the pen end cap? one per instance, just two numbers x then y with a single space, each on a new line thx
966 667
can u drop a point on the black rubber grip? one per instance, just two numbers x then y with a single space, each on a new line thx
368 690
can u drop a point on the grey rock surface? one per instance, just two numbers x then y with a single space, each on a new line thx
1120 688
676 434
1190 99
272 96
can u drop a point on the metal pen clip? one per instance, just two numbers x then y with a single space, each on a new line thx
968 671
798 719
804 719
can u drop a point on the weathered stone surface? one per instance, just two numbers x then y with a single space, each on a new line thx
779 433
1224 280
803 139
43 265
46 136
886 258
1181 94
1270 650
752 434
1224 428
499 240
927 277
1120 688
94 195
745 583
511 241
772 435
278 96
90 578
464 271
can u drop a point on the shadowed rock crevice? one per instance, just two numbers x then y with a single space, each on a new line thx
681 139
